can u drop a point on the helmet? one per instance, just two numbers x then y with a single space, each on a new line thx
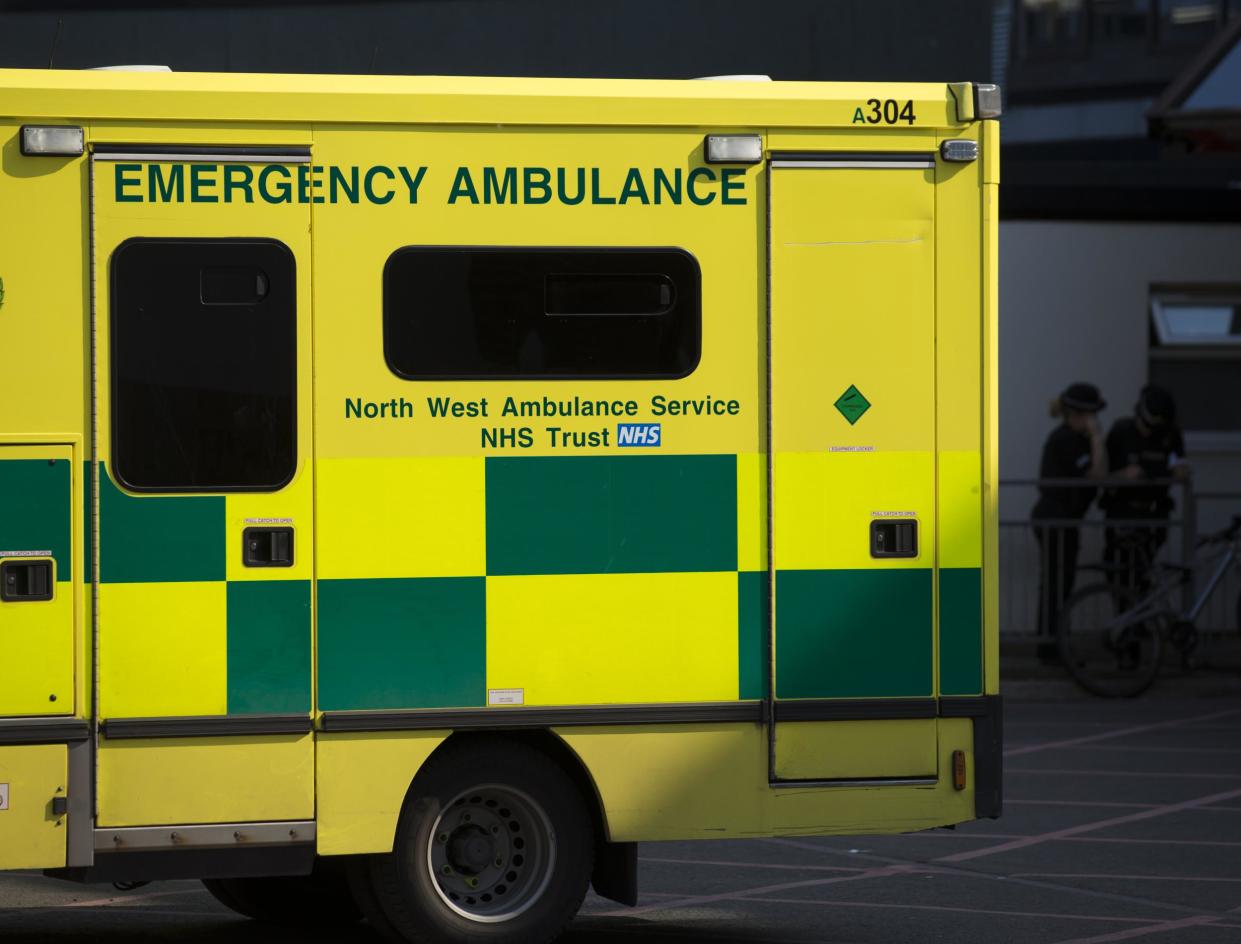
1155 406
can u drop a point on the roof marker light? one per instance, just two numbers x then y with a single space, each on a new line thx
734 148
988 102
52 141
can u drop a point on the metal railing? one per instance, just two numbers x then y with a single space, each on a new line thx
1028 602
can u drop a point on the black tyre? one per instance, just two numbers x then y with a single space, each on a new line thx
322 898
494 844
1105 654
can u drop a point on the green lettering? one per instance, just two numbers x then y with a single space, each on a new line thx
502 193
671 187
123 181
542 184
595 197
316 184
732 178
368 184
563 190
336 180
463 186
165 189
692 191
303 183
200 181
858 116
412 183
282 192
238 177
634 187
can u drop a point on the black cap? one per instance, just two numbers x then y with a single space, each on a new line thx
1155 406
1083 397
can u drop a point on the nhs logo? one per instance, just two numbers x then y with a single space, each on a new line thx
637 434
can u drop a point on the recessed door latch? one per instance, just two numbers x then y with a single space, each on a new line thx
267 547
894 537
25 581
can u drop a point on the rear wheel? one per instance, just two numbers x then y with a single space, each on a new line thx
494 844
1106 653
319 899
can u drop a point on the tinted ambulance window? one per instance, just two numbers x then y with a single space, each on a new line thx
471 313
203 339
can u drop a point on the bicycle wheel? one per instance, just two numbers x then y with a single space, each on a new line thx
1105 654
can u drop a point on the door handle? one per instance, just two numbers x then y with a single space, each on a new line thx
25 581
894 537
267 547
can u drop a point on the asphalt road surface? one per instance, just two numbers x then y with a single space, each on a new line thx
1122 823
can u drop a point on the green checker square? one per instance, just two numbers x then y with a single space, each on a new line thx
418 642
269 646
752 618
853 633
159 538
37 514
960 631
611 514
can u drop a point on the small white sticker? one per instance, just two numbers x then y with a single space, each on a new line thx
269 521
4 796
25 553
850 448
506 696
894 514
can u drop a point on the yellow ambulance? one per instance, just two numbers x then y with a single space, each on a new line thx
415 492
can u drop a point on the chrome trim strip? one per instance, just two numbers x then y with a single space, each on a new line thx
845 164
223 157
210 836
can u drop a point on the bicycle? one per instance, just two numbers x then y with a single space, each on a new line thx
1111 636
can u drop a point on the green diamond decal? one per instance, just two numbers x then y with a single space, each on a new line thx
852 404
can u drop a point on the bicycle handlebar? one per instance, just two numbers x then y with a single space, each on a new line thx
1224 534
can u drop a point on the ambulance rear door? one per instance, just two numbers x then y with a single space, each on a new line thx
852 464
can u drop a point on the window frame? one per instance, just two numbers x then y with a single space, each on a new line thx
550 377
115 470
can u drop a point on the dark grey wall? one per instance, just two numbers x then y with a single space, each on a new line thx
893 40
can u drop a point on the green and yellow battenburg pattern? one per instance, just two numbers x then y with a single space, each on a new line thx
847 375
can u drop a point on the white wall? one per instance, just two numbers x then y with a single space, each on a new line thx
1074 306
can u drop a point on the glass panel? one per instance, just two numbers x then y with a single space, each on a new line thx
594 294
486 312
203 392
1050 27
1198 322
1187 22
1121 20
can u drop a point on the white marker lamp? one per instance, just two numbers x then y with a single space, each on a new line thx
734 148
52 141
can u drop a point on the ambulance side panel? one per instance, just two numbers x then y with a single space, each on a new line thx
44 569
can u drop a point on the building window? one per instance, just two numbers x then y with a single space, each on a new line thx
1186 22
203 364
463 313
1120 21
1196 353
1050 29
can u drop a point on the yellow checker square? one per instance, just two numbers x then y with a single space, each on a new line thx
960 509
411 517
166 649
824 503
751 512
289 507
580 639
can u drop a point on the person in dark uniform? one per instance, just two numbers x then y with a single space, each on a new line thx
1147 445
1074 450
